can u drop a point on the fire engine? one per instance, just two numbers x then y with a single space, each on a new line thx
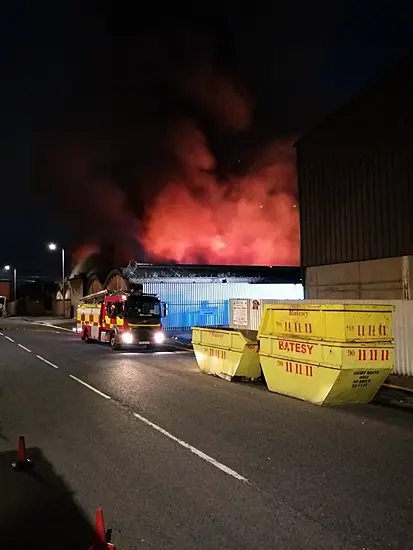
122 319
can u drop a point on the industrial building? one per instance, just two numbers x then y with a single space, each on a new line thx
194 294
355 177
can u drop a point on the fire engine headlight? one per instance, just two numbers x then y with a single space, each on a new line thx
159 337
127 338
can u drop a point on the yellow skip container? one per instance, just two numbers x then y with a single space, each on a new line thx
336 322
227 353
346 359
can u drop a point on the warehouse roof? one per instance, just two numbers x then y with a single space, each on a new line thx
271 274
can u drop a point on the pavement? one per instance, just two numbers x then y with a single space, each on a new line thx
23 323
181 460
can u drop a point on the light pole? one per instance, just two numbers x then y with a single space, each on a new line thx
9 268
53 247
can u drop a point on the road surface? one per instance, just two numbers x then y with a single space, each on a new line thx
180 460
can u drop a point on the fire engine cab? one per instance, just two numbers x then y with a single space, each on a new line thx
123 319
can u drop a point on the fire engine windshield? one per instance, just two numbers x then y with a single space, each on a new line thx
142 307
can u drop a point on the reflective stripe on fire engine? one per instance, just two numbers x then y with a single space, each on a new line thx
110 323
88 315
90 320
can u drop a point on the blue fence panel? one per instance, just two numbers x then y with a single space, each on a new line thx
183 316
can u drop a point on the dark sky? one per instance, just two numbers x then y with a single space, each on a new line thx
99 78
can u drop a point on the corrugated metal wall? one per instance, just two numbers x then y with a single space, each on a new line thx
355 177
207 304
402 326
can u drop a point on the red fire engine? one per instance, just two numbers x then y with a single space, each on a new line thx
122 319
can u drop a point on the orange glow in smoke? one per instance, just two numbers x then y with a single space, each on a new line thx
196 217
251 220
84 252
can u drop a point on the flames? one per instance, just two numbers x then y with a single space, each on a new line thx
199 217
250 220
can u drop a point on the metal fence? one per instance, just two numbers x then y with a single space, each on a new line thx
193 303
183 316
247 314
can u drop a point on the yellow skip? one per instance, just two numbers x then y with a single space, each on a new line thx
336 322
343 356
227 353
333 354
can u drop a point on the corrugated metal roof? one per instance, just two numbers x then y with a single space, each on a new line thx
137 272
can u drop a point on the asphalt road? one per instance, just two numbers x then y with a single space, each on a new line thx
180 460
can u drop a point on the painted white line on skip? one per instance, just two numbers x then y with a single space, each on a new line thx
9 339
47 362
24 347
90 387
194 450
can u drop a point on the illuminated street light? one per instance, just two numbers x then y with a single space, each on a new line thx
8 268
53 247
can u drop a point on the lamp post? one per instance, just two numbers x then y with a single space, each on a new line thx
53 247
9 268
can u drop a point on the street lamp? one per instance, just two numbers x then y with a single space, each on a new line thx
53 247
9 268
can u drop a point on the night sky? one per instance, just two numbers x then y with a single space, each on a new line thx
90 90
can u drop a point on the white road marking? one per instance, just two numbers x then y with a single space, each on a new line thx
90 387
194 450
24 347
47 362
48 325
10 339
1 334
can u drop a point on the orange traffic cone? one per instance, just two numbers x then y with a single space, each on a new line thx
100 527
102 537
22 461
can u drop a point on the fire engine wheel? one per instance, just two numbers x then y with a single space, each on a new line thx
113 342
85 336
